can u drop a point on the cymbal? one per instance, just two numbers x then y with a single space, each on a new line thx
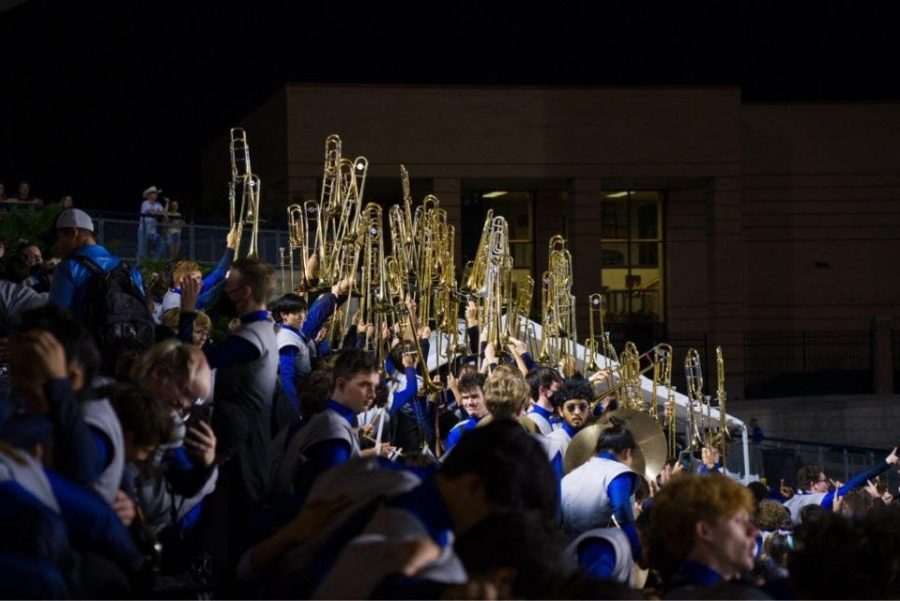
649 456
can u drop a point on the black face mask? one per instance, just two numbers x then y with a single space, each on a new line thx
557 399
224 306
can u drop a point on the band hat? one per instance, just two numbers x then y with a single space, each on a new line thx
152 190
75 218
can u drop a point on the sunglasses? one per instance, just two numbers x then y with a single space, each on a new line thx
573 407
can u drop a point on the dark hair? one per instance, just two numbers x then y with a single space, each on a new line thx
839 558
16 269
472 381
145 417
75 338
351 362
808 475
577 387
759 490
616 438
257 274
812 513
525 541
542 377
314 392
289 304
512 465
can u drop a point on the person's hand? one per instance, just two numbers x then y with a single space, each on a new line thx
385 332
872 489
471 315
677 468
600 375
314 516
424 332
412 555
370 330
409 359
367 430
231 239
837 504
124 508
452 381
887 498
786 491
322 335
666 474
312 268
200 442
43 352
516 347
490 354
892 459
341 287
190 292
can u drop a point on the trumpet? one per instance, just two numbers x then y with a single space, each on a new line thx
242 176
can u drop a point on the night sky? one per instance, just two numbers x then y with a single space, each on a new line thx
103 99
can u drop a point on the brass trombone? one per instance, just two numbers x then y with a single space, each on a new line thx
243 178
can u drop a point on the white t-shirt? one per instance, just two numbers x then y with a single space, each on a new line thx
149 221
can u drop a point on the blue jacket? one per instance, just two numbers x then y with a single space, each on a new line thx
70 279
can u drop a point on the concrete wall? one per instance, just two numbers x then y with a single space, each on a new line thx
870 421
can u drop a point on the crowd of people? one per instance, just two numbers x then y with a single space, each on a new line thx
199 435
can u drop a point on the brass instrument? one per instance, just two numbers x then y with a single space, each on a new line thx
628 372
693 372
649 455
595 307
720 394
405 320
242 177
283 263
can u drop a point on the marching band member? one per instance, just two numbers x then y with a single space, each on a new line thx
814 486
471 390
598 495
575 401
545 384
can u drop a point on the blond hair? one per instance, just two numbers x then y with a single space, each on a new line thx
171 363
506 392
201 322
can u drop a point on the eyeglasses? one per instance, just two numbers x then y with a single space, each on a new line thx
576 407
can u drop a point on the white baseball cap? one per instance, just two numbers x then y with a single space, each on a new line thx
152 190
75 218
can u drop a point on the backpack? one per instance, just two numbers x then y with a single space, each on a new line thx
117 313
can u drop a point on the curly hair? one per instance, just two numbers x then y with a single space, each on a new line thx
772 515
184 268
577 387
690 499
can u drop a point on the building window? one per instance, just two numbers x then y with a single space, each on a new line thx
517 209
632 256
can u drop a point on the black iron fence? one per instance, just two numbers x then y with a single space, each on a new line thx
895 348
778 364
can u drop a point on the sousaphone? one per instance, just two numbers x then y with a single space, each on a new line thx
649 456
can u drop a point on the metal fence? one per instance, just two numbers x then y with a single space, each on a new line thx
895 348
778 458
202 243
778 364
